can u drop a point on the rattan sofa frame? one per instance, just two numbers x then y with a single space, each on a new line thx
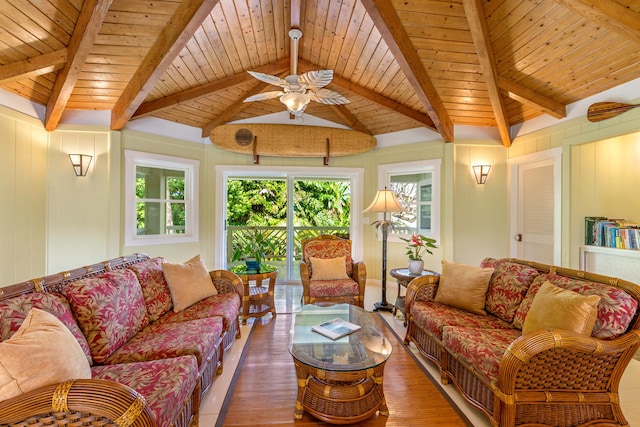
547 377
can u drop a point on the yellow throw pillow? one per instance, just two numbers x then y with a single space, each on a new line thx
188 283
41 352
463 286
328 268
554 307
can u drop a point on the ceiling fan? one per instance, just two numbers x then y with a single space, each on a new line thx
298 91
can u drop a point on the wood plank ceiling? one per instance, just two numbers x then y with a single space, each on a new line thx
402 63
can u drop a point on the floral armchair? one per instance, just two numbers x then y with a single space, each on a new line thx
328 272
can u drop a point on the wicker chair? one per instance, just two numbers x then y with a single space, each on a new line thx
79 402
349 290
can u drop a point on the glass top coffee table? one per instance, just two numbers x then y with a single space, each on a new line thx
339 382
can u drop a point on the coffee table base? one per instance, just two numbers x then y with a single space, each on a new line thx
339 397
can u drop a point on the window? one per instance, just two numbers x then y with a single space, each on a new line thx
417 187
161 199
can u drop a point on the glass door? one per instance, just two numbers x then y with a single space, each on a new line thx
284 210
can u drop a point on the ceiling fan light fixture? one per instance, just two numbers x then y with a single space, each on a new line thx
295 101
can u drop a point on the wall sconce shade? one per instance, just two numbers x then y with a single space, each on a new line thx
80 163
481 172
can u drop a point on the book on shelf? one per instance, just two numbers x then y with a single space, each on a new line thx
611 232
335 328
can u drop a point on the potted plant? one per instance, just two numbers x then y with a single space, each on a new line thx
417 246
253 250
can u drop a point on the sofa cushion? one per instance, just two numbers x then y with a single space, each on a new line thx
226 305
199 338
463 286
328 249
433 317
482 349
332 288
14 310
554 307
328 268
154 287
615 310
165 384
507 287
188 283
41 352
110 309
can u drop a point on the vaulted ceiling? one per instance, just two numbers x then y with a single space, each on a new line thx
402 63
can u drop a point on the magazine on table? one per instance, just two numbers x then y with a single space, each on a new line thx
335 328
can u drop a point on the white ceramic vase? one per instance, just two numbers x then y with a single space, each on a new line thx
415 266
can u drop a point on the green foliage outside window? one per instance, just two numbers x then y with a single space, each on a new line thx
264 203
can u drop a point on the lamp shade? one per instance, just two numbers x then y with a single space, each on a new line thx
80 163
385 201
295 101
481 173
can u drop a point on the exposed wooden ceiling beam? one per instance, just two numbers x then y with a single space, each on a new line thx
528 96
375 97
157 105
234 109
388 23
184 23
350 119
609 14
36 66
480 34
84 35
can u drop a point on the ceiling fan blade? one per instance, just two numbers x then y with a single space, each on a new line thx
264 96
316 79
268 78
326 96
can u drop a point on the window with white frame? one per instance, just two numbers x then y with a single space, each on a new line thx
417 187
160 199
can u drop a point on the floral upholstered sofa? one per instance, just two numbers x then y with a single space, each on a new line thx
131 326
528 343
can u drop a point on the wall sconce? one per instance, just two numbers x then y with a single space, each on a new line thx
80 163
481 172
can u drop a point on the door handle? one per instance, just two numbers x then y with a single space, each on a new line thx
518 237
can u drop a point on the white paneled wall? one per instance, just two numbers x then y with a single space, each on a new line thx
23 168
80 215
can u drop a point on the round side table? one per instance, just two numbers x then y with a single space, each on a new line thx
258 300
403 276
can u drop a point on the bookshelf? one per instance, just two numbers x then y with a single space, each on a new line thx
621 263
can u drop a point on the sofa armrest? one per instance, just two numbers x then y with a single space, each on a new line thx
559 365
422 288
227 281
359 274
106 400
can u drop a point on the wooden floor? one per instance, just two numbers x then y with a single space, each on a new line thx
264 389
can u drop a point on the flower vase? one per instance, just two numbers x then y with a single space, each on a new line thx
415 266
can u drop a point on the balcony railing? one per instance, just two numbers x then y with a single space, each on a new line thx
237 235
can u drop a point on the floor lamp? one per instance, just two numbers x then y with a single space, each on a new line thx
385 201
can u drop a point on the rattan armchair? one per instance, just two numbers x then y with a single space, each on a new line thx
349 290
79 402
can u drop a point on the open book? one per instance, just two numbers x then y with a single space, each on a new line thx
335 328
